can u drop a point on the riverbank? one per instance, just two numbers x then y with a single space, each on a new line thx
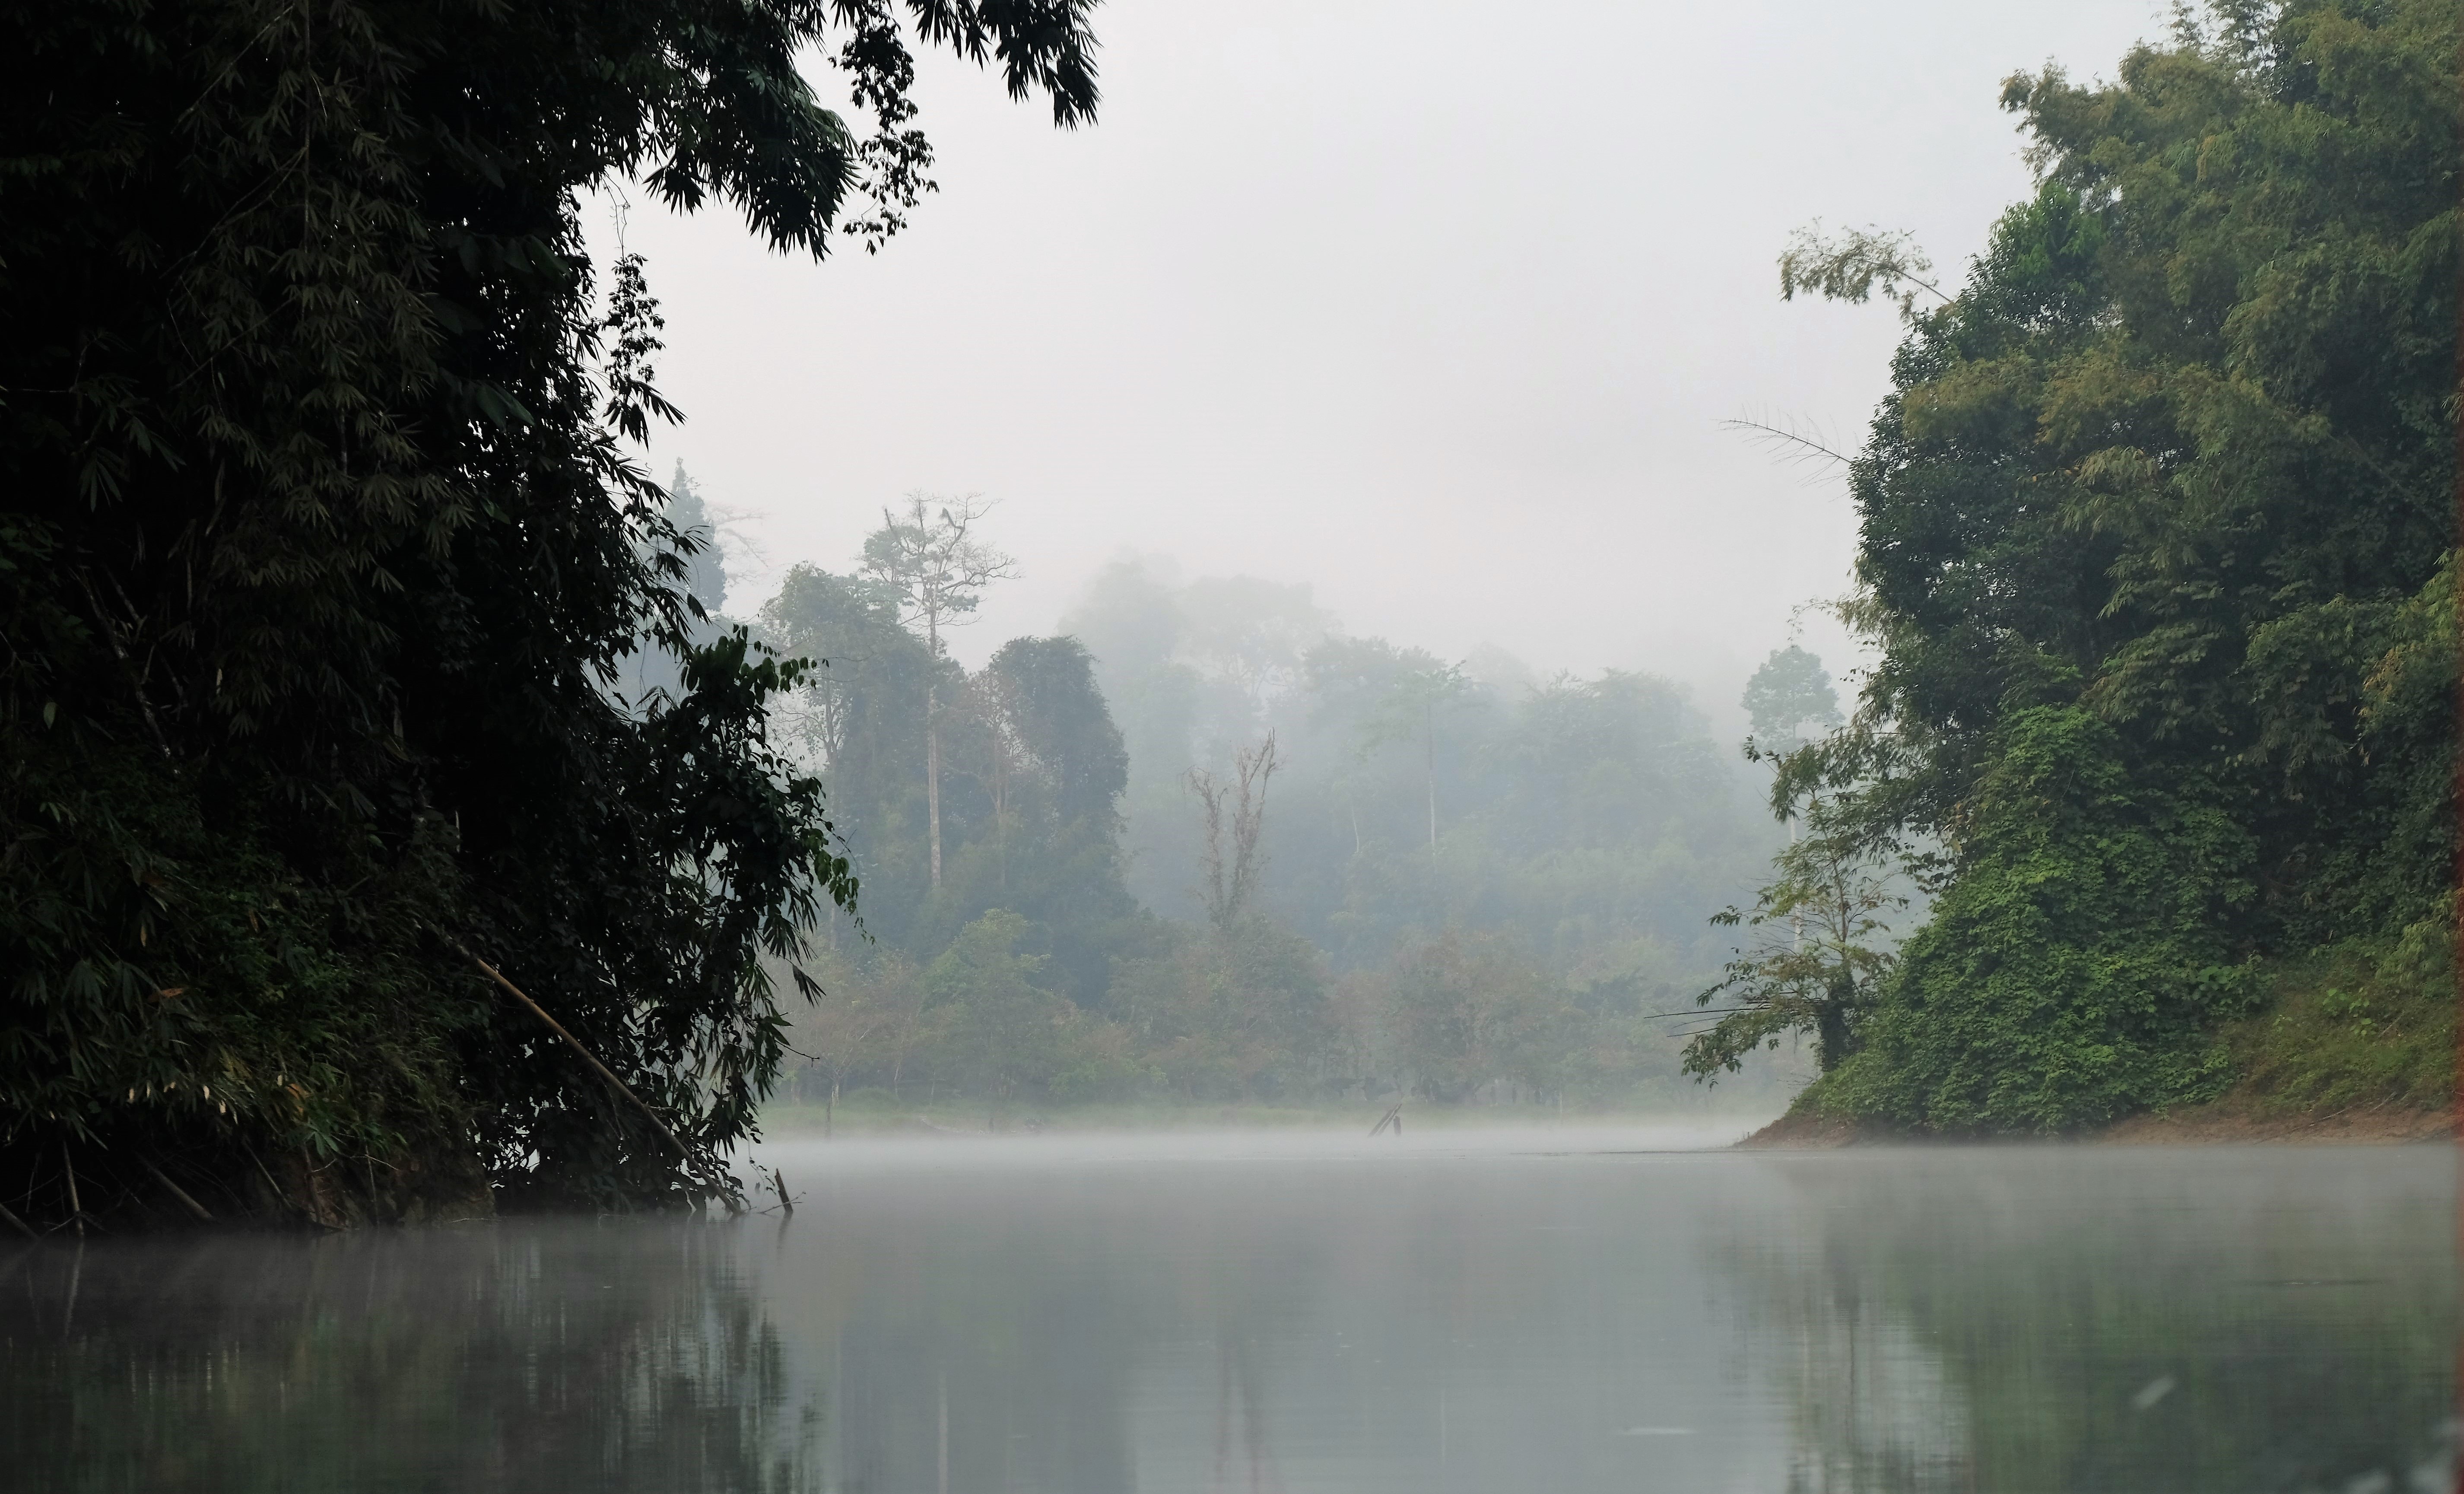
878 1116
2222 1124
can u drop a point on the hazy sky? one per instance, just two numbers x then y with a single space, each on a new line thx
1436 306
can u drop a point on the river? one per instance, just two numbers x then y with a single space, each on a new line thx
1561 1311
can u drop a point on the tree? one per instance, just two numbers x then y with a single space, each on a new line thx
838 1029
324 548
1832 893
2157 536
859 720
1411 707
1004 1034
900 992
929 556
705 571
1469 1009
700 580
1234 814
1790 701
1852 264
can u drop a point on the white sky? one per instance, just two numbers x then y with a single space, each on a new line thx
1436 306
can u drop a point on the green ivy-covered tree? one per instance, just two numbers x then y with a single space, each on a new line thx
322 546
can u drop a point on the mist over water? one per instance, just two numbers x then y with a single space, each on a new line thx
1578 1308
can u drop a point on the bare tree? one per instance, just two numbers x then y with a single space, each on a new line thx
1232 871
928 554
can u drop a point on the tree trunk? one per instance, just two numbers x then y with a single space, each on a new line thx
932 777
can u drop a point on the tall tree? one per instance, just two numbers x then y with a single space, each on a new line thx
1790 701
928 554
1410 709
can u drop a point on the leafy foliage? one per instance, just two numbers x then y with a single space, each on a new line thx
323 553
2076 968
2157 549
1821 956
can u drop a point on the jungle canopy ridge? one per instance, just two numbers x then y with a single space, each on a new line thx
322 554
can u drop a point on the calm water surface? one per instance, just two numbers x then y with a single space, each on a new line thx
1558 1311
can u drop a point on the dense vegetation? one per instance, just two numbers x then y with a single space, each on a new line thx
2157 554
323 559
343 644
1209 848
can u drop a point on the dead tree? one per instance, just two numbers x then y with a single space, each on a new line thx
1231 870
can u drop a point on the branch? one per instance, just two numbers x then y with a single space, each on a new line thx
1793 443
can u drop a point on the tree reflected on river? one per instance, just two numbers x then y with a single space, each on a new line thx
1441 1316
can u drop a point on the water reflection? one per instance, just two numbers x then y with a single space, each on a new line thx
623 1356
1298 1316
2246 1319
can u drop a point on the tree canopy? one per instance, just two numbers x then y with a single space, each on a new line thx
323 546
2157 549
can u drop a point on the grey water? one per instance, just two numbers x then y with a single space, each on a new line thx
1562 1310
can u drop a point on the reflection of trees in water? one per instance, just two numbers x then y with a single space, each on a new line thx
1252 1467
1870 1407
1082 1341
555 1357
972 1359
2094 1321
1869 1404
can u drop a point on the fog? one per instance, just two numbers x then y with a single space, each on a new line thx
1434 308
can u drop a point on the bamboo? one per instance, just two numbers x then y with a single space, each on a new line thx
178 1191
76 1210
17 1224
587 1057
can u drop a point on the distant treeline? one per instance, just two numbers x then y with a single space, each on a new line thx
1206 847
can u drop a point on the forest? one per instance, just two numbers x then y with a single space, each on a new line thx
393 813
1206 848
2157 561
2145 803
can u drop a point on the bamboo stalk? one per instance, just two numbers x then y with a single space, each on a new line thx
178 1191
587 1057
76 1210
17 1224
